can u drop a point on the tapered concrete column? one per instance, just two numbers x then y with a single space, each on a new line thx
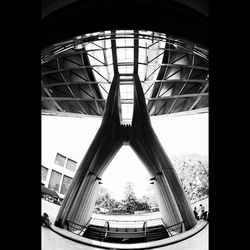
147 142
169 210
78 202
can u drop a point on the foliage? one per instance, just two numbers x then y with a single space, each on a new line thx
104 199
130 200
192 170
129 204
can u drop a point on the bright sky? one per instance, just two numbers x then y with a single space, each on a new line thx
72 137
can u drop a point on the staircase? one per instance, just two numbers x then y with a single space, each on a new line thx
125 235
130 234
157 233
94 232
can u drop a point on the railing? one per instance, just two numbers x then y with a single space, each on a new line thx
175 229
74 227
105 231
118 223
143 227
118 234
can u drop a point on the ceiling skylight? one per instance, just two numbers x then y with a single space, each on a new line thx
166 66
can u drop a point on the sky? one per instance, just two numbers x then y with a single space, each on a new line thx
72 137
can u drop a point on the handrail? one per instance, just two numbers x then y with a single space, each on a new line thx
106 228
166 227
109 231
172 226
145 227
88 222
81 227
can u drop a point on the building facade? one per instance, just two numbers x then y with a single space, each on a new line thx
58 173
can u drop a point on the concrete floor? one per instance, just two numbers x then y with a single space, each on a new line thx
52 241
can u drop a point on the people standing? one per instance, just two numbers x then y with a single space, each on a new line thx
45 220
196 214
201 211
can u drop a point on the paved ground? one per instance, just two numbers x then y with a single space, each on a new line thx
53 241
196 242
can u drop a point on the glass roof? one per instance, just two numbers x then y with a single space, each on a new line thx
93 58
149 60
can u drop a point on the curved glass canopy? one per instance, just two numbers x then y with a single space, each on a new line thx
77 74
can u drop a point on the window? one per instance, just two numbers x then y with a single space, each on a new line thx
60 160
54 182
44 173
65 184
71 165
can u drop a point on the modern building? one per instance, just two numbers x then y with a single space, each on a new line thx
124 61
57 173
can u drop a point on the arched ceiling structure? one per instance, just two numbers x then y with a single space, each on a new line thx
78 65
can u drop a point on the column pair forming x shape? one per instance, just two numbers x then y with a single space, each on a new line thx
79 201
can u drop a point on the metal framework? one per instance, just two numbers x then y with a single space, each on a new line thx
76 74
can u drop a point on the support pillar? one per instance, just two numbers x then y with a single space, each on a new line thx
78 205
145 141
79 200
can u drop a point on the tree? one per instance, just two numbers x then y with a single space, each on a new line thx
193 173
151 197
130 200
104 199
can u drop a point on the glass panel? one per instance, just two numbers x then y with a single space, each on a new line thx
127 112
142 55
109 56
129 55
120 42
173 74
126 69
104 90
125 55
120 32
111 72
107 33
71 165
54 182
145 32
106 44
60 160
125 59
182 60
129 42
127 91
99 44
103 74
144 42
65 184
91 46
147 89
44 173
141 71
96 57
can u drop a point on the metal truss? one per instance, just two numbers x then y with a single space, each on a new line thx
76 74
